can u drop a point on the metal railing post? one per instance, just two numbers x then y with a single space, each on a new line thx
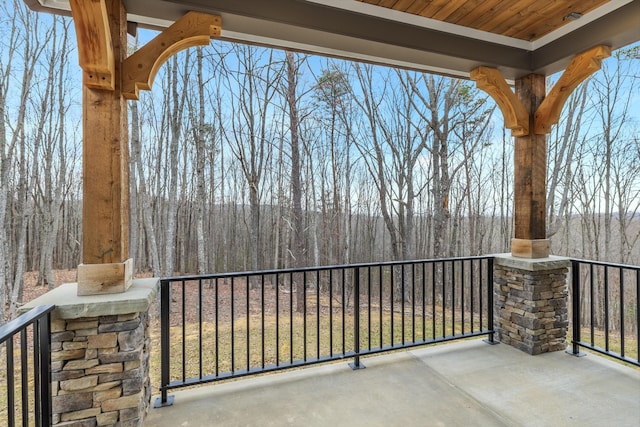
356 320
37 387
45 371
575 309
164 400
491 337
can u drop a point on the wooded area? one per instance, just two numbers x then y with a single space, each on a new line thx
245 158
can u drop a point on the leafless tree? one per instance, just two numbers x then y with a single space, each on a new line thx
252 83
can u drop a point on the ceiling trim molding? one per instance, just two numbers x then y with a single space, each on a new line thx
327 27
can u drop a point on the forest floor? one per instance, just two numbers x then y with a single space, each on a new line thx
31 291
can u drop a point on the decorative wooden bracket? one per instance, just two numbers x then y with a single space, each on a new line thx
95 47
581 67
193 29
515 115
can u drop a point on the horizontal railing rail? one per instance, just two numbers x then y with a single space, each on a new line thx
28 371
605 302
228 325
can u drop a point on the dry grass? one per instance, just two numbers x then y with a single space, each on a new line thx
17 383
285 340
615 344
217 360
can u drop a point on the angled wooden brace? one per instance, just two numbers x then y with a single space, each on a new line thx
95 47
581 67
492 82
193 29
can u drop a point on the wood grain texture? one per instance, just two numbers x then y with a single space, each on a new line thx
193 29
530 166
530 248
581 67
105 207
98 279
490 80
521 19
95 51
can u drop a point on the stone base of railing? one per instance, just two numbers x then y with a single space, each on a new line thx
100 355
531 302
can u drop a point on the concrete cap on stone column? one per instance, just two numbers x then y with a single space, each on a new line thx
551 262
69 305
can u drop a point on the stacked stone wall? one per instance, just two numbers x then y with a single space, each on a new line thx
531 308
100 370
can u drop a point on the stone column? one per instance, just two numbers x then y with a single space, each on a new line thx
100 355
531 302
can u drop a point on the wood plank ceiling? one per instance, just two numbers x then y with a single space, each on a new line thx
515 36
521 19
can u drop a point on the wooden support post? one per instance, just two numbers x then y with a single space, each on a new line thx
530 177
106 159
109 78
530 156
530 115
105 206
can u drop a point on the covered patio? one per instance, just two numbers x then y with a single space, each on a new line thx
499 45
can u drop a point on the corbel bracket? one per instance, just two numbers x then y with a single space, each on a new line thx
95 47
140 69
581 67
492 82
515 115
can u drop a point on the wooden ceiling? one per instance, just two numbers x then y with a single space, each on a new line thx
521 19
369 30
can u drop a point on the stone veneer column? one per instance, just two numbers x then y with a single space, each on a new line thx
100 355
531 302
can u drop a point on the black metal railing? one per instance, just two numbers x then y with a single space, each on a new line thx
606 309
222 326
25 346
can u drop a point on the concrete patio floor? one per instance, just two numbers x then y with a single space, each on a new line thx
466 383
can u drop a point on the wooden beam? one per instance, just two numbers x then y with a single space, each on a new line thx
105 157
102 45
581 67
140 69
530 177
95 49
515 115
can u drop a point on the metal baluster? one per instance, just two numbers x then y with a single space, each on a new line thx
356 320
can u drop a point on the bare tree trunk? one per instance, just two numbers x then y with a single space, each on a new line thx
7 152
175 99
563 154
32 48
397 146
51 194
199 136
146 208
613 111
296 186
250 140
